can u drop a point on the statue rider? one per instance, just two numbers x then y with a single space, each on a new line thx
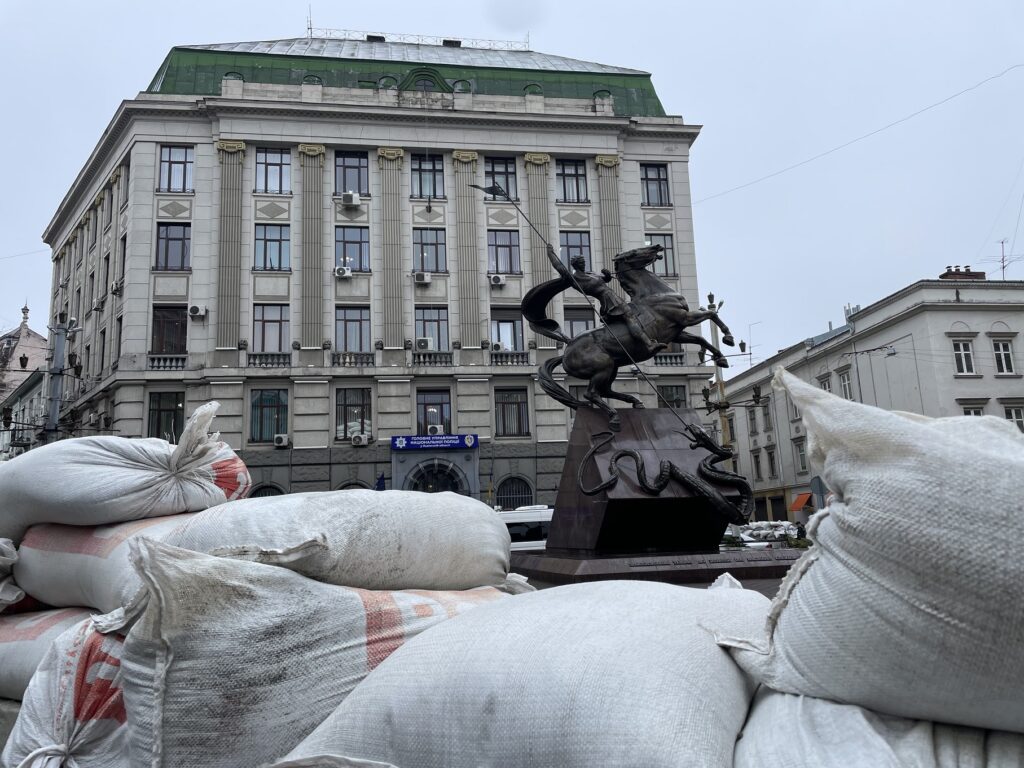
612 306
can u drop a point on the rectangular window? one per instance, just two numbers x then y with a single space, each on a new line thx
1016 415
125 178
103 351
173 246
427 175
730 425
974 411
573 244
91 296
800 450
963 356
351 173
273 170
654 184
94 230
825 382
170 326
578 320
752 421
428 250
501 171
769 457
352 248
176 169
766 416
433 409
571 181
503 252
511 413
672 396
273 246
353 413
108 206
270 331
846 385
1004 356
352 329
105 285
118 332
122 256
794 410
666 265
507 330
87 360
755 460
269 415
432 323
166 415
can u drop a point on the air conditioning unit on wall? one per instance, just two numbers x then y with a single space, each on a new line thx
360 439
197 312
421 278
350 199
425 344
497 280
342 273
435 429
282 441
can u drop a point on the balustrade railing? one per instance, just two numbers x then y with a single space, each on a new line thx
351 359
270 359
432 358
167 362
670 358
509 357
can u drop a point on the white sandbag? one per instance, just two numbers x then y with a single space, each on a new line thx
102 480
788 731
904 605
24 640
233 663
10 592
65 565
616 673
73 711
375 539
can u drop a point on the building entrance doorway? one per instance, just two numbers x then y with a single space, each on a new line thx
437 475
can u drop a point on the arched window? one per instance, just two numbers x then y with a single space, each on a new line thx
312 80
602 94
462 86
514 492
350 484
233 76
387 82
265 490
533 89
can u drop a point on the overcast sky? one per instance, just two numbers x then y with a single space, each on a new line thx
772 83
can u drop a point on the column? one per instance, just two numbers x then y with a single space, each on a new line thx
393 280
470 260
539 205
311 158
231 155
608 209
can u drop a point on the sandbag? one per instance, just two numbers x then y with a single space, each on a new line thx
73 710
617 673
789 731
65 565
232 663
102 480
374 539
24 640
10 592
904 605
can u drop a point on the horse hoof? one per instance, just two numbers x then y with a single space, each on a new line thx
721 362
729 340
638 404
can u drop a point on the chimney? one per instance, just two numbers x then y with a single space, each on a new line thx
955 273
375 38
451 43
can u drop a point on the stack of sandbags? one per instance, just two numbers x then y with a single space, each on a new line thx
73 710
233 663
25 639
10 592
103 480
618 673
904 606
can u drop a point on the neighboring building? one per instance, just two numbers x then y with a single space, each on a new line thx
27 411
21 352
946 347
288 227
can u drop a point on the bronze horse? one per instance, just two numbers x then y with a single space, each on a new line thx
596 355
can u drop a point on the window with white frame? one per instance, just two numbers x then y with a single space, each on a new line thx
755 460
769 457
752 421
825 382
974 410
766 414
666 265
1003 351
800 454
846 385
1015 413
794 409
273 170
963 356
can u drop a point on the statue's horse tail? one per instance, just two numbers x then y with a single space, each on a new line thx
552 387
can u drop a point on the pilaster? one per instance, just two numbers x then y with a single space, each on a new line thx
394 282
311 158
231 157
471 263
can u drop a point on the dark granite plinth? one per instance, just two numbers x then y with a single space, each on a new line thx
552 569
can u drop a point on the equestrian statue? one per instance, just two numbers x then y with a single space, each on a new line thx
633 331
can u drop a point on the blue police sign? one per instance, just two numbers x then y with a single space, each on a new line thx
433 442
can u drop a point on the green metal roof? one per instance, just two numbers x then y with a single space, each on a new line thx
199 70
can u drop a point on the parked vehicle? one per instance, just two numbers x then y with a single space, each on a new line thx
528 527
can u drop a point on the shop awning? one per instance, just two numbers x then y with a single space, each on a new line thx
802 500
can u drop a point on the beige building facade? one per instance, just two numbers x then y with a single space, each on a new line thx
289 228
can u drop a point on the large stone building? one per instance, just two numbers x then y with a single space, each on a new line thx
945 347
289 228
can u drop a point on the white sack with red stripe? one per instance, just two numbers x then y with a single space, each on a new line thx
102 480
64 565
233 663
24 640
73 711
613 674
10 592
373 539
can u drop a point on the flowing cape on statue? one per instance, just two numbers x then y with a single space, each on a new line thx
535 302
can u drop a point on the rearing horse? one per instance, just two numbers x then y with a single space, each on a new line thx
597 354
